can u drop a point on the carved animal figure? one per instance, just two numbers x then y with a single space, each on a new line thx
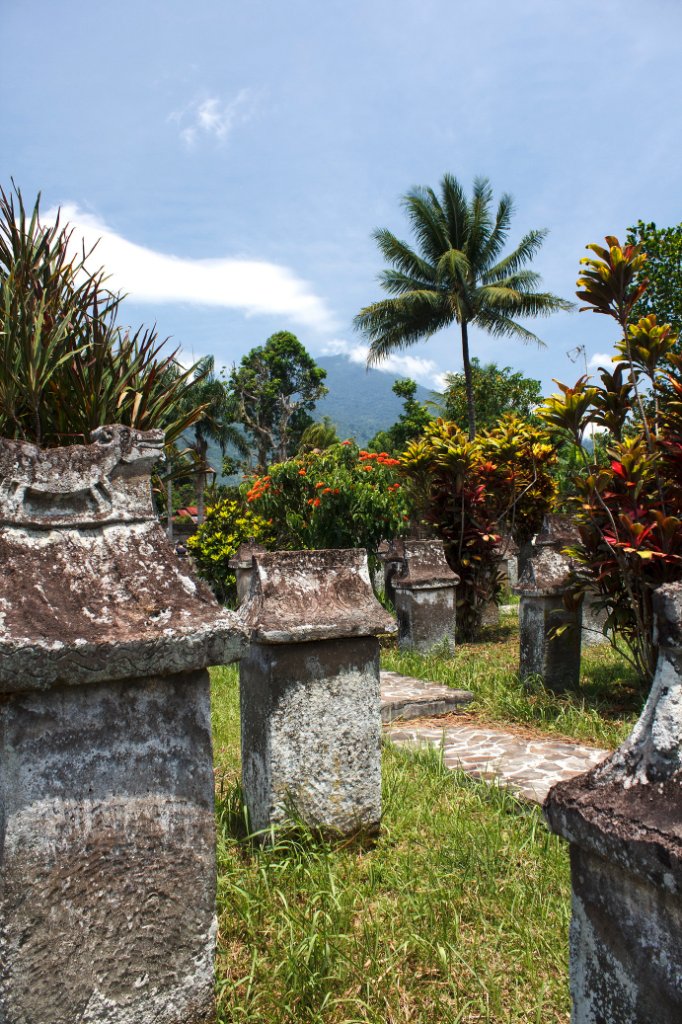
57 482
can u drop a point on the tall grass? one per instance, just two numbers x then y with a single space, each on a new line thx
457 913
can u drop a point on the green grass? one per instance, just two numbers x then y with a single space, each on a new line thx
456 914
602 712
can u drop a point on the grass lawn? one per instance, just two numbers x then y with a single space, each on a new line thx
457 914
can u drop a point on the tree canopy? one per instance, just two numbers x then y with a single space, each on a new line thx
497 390
274 389
456 273
663 271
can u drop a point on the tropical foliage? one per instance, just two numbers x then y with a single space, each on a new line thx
629 508
215 425
497 390
412 420
226 526
474 493
456 274
663 272
274 390
66 367
342 497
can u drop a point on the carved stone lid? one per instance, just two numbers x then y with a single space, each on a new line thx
506 547
557 531
90 587
80 485
629 808
299 596
545 574
425 567
391 550
243 556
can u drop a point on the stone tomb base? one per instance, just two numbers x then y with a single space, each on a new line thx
426 617
107 861
626 953
556 659
311 733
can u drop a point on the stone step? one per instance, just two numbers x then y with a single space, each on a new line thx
403 698
527 764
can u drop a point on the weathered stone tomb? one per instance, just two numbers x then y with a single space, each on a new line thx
623 820
310 707
425 597
391 554
107 864
547 606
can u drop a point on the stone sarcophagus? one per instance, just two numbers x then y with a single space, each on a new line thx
107 864
623 820
549 619
425 597
309 688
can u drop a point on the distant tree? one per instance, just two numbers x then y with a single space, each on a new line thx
274 389
215 425
456 274
663 270
318 436
410 423
497 390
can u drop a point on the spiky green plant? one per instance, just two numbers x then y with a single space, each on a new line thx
66 367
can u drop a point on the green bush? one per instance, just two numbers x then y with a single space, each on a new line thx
227 525
343 497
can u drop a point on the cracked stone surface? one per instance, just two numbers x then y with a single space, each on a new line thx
403 697
530 767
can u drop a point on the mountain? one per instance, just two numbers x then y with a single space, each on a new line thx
360 402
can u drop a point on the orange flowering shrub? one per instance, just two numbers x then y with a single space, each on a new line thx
343 497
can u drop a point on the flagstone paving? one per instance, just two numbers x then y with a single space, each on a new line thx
529 766
403 697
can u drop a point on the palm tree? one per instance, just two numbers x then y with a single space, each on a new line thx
215 425
455 274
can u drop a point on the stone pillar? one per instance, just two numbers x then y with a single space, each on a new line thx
425 597
508 554
242 563
310 708
594 620
547 605
392 554
107 864
623 820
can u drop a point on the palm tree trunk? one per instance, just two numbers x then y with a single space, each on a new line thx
169 508
201 486
201 447
468 383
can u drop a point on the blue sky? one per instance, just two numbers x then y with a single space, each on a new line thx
235 157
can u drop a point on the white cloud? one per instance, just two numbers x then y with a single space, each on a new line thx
255 287
425 371
213 117
600 359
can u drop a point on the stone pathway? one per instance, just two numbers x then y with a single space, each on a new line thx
403 697
528 766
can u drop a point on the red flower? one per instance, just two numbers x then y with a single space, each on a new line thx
301 472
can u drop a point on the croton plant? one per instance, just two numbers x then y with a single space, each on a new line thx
629 509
